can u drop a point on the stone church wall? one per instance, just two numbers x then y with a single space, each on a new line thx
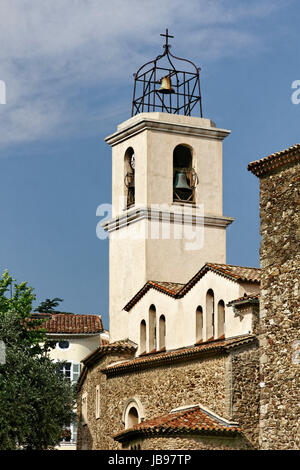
227 384
160 390
280 311
245 391
193 443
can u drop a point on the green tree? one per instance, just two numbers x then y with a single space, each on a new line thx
36 402
48 306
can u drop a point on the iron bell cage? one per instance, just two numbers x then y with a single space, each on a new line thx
179 91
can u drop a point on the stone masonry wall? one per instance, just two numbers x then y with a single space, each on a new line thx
245 391
280 310
160 390
193 443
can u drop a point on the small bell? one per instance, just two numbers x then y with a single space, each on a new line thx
166 86
181 181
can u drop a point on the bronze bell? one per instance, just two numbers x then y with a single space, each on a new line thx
181 181
166 86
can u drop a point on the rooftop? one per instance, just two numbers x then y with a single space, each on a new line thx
275 160
71 323
195 419
158 358
175 290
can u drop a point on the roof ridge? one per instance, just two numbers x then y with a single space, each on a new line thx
178 354
233 265
184 288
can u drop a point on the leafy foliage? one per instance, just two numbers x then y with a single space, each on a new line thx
36 402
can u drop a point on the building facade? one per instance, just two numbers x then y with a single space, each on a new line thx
279 333
76 336
176 342
201 354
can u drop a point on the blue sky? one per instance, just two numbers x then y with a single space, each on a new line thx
68 67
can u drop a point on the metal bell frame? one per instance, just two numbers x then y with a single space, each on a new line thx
186 84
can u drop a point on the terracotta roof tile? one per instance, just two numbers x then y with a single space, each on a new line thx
170 287
72 323
182 354
107 348
275 160
195 420
244 299
175 290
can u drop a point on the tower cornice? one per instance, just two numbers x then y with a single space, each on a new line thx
170 123
140 213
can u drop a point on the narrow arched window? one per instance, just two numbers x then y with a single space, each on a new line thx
132 417
162 332
152 328
210 320
143 337
199 324
184 177
129 180
133 412
221 318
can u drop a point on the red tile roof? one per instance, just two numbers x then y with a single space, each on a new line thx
245 299
178 355
122 346
275 160
175 290
194 420
71 323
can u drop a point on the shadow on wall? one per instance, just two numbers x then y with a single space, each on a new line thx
86 440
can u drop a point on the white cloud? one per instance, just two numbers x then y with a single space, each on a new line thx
50 50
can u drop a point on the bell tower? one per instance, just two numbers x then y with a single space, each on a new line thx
167 215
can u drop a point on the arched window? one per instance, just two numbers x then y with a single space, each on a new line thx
129 167
221 318
199 324
152 328
132 417
184 176
210 320
143 337
133 412
162 332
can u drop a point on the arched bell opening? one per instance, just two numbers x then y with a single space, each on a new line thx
184 176
129 180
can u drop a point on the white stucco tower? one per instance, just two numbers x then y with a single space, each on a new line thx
167 201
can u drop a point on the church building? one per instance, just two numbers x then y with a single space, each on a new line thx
182 366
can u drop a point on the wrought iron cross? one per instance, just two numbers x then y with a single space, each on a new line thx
167 36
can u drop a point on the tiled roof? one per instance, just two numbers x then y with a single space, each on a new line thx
123 346
178 355
107 348
175 290
244 299
169 287
194 420
275 160
71 323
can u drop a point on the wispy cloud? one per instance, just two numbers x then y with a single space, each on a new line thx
51 51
